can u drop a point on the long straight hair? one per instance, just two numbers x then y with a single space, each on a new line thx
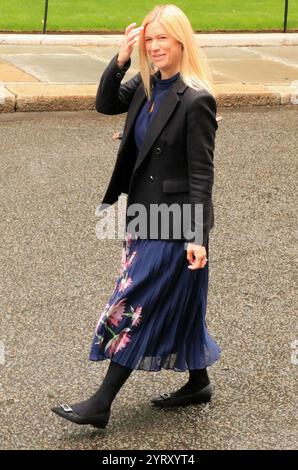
194 70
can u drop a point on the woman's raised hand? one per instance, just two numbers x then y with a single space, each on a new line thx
129 41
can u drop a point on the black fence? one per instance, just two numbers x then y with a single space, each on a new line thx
47 2
46 7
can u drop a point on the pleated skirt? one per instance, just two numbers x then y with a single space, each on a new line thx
156 316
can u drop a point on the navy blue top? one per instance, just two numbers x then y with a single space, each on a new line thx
161 88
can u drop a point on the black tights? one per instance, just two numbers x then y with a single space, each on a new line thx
102 400
115 378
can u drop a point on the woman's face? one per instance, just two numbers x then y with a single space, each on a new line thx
164 51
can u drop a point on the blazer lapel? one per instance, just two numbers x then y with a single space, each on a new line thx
136 105
159 120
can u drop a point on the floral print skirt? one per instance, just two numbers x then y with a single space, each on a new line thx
155 317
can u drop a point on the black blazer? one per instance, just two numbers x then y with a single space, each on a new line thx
175 162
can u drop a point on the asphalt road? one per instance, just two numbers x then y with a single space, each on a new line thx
56 277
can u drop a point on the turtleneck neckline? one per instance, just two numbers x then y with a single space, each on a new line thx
164 82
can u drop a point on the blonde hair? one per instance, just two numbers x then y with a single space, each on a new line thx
194 70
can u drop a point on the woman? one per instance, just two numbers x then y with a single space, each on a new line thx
155 318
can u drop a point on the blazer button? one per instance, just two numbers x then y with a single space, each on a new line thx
151 177
118 75
158 151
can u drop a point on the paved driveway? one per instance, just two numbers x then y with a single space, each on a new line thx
56 277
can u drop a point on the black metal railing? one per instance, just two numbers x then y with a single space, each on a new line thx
47 2
45 17
286 16
47 5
